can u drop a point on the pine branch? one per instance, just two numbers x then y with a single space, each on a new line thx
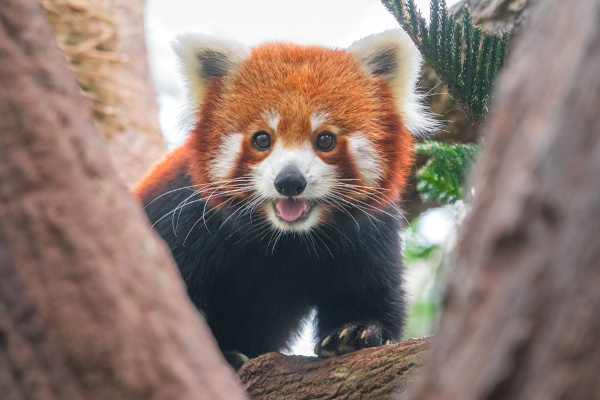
443 178
469 72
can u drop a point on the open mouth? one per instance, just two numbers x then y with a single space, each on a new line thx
292 210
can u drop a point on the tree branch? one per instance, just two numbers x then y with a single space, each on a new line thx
374 373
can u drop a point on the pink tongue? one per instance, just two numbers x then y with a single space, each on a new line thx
289 209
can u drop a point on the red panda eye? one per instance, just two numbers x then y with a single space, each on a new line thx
261 140
325 141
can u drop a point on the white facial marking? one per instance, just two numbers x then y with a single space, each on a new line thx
272 117
317 119
320 180
229 151
366 159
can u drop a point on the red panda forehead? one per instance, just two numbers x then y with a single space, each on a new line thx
297 82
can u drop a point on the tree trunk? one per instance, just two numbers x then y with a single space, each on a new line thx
521 315
139 144
368 374
104 42
91 304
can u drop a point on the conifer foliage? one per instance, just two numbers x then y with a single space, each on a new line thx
466 58
443 177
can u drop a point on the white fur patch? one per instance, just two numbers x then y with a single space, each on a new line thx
392 54
320 177
225 161
272 117
317 119
365 157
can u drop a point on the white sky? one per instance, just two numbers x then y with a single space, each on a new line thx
334 23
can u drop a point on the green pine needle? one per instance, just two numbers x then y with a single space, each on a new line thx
443 178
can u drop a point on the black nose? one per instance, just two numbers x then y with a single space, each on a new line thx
290 182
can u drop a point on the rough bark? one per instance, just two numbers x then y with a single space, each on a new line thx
521 311
367 374
91 304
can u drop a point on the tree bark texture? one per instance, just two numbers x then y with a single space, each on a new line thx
521 316
91 304
368 374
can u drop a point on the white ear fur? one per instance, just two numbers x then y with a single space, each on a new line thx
393 55
203 58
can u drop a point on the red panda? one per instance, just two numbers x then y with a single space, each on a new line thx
284 197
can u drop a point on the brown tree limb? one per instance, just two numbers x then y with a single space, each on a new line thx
91 304
368 374
521 313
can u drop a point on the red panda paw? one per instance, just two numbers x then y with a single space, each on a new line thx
351 337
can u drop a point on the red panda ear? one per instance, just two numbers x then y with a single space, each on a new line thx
203 58
393 56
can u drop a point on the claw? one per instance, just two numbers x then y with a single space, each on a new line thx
387 342
325 341
365 333
317 348
345 333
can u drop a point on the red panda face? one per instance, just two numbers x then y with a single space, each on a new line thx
300 133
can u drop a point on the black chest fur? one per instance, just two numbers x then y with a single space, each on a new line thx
254 284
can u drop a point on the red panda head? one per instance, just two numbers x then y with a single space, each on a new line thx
300 133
